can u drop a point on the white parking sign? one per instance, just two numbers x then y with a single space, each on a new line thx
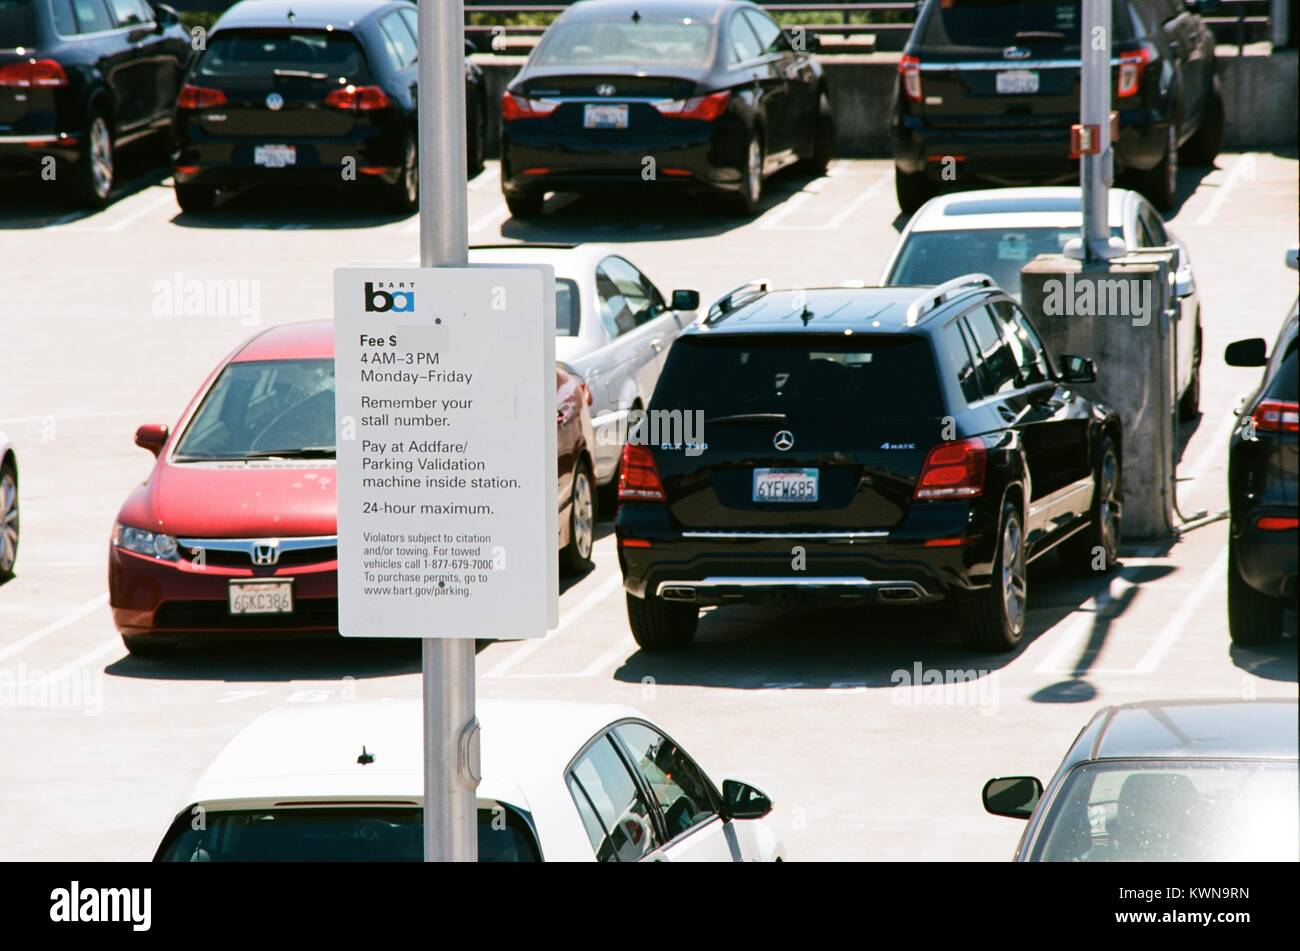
445 384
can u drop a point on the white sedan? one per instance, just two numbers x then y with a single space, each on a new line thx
613 327
561 781
8 509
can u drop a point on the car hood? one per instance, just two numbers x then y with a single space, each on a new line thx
237 500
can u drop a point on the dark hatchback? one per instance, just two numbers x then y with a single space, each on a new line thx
1262 489
893 445
714 92
78 80
994 85
309 94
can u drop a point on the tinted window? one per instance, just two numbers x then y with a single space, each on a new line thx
770 37
65 22
649 41
1151 229
92 16
131 12
997 24
1285 384
313 54
1025 344
568 309
680 789
999 363
745 44
627 298
398 39
958 362
18 24
626 830
413 22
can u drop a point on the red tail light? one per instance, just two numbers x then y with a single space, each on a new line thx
1131 67
199 97
518 107
1277 416
638 477
909 67
39 73
953 470
1276 523
357 98
706 108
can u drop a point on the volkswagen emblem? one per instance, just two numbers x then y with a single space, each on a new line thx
606 89
274 101
1015 52
783 440
266 553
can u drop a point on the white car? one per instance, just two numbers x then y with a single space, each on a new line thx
997 231
613 327
8 509
561 781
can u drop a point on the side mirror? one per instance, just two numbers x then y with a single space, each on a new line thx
1251 352
742 801
1291 254
812 42
1077 369
152 436
166 16
686 300
1012 796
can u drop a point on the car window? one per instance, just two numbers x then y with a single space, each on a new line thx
627 298
323 56
1151 230
745 45
626 830
650 40
1286 379
770 36
1025 345
958 362
131 12
412 20
1041 25
568 308
682 793
996 357
65 22
398 39
92 16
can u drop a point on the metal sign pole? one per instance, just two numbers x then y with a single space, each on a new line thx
1094 109
450 728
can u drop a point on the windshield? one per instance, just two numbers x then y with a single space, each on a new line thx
998 24
640 42
314 54
373 834
1176 811
264 408
932 257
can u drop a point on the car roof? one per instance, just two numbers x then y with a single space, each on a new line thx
306 13
1050 207
663 9
1193 729
307 751
308 340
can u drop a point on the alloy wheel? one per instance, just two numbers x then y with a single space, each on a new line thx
8 523
1109 490
1013 575
583 515
101 157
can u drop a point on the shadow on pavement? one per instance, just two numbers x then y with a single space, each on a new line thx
276 661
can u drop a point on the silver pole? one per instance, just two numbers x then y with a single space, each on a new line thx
447 664
1094 110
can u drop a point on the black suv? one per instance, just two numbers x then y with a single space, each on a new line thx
1262 489
898 445
993 85
78 79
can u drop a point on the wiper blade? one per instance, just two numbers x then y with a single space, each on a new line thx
298 73
307 452
748 418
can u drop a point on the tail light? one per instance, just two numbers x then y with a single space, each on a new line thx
1131 67
706 108
1276 523
638 476
518 107
909 67
953 470
1277 416
357 98
199 97
39 73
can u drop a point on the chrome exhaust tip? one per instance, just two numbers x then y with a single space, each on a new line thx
678 593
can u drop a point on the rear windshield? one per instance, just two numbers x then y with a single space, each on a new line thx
17 24
810 378
1287 381
314 54
998 24
645 41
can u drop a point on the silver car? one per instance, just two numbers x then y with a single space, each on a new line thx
613 327
8 509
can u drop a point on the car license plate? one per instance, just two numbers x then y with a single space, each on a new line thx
275 156
261 597
1015 82
604 117
785 485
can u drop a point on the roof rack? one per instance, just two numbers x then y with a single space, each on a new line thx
936 296
737 298
542 245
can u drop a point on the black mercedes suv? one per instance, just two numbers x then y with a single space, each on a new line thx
988 89
897 445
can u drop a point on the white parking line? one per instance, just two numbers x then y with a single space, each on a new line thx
89 607
609 658
496 216
521 654
1071 641
831 224
772 220
1243 167
489 175
1173 629
78 665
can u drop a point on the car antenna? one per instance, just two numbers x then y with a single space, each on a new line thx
636 16
292 16
806 315
365 759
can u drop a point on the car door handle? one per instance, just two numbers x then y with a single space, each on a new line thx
1006 414
657 344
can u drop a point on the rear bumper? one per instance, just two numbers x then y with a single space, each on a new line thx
1266 559
343 163
23 153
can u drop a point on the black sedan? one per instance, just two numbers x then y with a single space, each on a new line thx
697 95
1262 489
319 93
79 79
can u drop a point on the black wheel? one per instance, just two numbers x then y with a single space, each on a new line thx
1254 618
823 139
525 204
913 190
90 182
196 199
1096 548
660 625
8 520
1160 184
575 558
1189 404
750 196
148 647
994 619
1203 147
404 194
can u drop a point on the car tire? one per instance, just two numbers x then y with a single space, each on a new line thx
1189 404
1104 529
90 184
575 558
661 625
404 194
1254 618
823 138
912 189
196 199
747 200
9 521
1160 184
142 645
1203 147
525 205
994 619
